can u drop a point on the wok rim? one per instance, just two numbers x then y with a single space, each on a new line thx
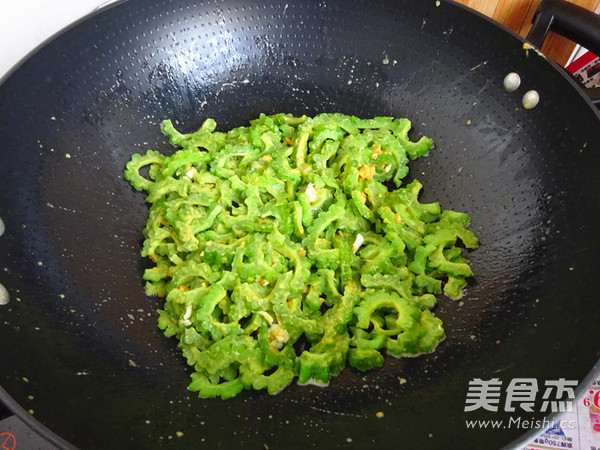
53 438
34 424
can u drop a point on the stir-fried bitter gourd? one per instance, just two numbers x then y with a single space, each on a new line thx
289 248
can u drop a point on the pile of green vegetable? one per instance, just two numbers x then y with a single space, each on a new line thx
282 252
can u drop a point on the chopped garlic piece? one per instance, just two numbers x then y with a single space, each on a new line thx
267 316
192 172
278 336
188 312
358 242
311 192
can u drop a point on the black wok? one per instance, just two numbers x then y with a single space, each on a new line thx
79 343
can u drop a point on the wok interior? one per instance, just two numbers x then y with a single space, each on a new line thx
80 328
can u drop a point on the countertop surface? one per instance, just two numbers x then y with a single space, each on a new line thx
24 24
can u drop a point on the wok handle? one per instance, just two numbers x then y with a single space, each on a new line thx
571 21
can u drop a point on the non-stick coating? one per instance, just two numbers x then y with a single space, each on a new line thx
79 342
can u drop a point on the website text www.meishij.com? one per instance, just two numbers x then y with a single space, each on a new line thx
520 423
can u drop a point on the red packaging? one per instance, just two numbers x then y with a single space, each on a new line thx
586 68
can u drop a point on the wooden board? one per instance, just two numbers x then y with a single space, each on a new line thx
517 15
